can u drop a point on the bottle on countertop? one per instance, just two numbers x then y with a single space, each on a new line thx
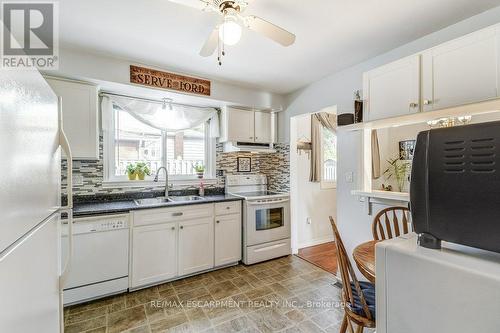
201 191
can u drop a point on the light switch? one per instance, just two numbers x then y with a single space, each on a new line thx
349 177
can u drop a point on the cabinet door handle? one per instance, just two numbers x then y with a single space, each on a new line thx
182 227
251 137
217 221
173 228
178 214
413 105
427 102
228 207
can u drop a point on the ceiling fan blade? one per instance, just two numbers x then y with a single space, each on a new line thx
270 30
211 44
197 4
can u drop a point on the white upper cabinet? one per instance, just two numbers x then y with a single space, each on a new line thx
247 126
462 71
393 90
240 125
263 127
80 120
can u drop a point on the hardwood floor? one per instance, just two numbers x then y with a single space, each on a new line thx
323 256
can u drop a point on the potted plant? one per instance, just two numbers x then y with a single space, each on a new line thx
142 169
200 170
398 169
132 175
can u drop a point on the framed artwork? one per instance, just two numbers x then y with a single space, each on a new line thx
406 149
244 164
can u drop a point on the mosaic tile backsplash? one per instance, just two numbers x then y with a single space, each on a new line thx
276 166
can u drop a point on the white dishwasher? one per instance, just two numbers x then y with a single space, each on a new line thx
99 266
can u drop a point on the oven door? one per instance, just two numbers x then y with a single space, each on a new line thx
267 221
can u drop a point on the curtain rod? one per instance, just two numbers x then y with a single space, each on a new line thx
156 101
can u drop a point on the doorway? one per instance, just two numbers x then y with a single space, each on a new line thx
312 202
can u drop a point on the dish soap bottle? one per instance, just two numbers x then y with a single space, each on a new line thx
201 191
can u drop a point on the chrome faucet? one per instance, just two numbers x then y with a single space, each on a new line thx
166 179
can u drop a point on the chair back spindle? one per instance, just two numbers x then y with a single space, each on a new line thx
388 223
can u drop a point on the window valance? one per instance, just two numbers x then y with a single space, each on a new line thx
165 117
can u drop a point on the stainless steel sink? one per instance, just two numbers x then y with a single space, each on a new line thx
152 201
187 198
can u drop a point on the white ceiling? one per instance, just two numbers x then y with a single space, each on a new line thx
331 35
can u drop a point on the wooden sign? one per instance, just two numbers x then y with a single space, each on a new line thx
158 79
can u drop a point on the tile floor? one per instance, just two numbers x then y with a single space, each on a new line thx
284 295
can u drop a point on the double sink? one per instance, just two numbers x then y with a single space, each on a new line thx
162 200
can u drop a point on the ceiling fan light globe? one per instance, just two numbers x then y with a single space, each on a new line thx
230 32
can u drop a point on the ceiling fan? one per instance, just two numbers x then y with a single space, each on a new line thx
228 30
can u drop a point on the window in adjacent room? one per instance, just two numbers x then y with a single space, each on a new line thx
329 158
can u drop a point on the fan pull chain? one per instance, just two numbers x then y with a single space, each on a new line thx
219 51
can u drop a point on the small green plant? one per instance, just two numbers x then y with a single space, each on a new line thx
142 169
131 171
398 169
199 168
138 170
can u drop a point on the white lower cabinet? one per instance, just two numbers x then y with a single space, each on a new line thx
168 243
227 239
154 253
196 245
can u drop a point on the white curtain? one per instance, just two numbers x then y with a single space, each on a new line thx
163 117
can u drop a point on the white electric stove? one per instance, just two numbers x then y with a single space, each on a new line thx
266 218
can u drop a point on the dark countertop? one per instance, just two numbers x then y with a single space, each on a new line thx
124 206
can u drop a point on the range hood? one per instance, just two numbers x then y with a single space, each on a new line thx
253 147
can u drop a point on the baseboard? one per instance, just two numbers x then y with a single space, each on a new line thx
316 241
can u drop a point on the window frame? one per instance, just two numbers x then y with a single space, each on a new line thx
111 180
327 184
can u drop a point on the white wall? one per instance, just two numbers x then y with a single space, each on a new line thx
338 89
113 74
308 199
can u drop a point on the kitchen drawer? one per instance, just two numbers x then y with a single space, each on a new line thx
173 214
224 208
258 253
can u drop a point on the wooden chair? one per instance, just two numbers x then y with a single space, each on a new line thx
358 297
391 226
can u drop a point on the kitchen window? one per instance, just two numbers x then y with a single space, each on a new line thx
130 141
329 158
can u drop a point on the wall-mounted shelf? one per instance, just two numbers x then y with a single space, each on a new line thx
422 117
381 197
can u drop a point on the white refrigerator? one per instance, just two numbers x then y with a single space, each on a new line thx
452 290
30 206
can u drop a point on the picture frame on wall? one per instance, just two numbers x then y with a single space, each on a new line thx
406 149
244 164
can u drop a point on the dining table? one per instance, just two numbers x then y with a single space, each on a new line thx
364 257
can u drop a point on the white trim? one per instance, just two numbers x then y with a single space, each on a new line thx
316 241
328 185
160 184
